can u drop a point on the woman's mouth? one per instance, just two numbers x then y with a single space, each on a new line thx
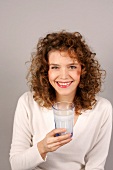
64 84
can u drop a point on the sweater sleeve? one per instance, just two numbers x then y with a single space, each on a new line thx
96 157
23 156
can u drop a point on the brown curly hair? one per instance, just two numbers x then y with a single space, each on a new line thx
91 77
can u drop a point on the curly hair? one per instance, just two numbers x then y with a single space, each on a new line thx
91 76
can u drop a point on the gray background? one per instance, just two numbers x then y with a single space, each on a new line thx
22 22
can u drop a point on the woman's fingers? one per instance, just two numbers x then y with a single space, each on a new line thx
56 131
52 142
58 139
54 146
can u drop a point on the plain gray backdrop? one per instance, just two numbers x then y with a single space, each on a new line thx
22 23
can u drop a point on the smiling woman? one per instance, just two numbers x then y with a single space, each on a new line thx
64 75
74 47
63 68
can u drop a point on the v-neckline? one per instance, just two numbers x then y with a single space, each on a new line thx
76 117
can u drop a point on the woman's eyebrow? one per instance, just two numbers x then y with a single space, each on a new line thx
74 63
53 64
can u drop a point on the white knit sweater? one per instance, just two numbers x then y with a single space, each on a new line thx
87 150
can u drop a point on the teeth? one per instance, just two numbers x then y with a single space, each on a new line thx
63 84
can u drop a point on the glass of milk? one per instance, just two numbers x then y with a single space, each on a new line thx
64 116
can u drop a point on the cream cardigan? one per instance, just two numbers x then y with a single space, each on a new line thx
88 149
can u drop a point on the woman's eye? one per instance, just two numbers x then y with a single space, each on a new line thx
73 67
54 67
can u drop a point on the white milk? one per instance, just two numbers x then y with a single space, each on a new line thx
64 121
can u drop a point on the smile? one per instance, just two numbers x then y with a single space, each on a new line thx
64 84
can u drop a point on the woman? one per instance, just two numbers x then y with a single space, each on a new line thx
63 68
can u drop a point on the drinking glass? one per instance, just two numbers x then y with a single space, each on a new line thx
64 116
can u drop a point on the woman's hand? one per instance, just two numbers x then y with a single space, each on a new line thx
52 142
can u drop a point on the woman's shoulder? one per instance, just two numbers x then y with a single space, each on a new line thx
103 101
26 97
103 106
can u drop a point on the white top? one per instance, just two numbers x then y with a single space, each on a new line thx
87 150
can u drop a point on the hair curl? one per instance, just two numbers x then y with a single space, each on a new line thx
91 77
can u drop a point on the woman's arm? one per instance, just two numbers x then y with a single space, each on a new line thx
96 157
23 156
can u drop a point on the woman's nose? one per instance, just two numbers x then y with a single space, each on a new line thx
63 73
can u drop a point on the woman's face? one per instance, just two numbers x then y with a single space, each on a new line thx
64 74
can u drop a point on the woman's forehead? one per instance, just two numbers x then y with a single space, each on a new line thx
64 53
56 56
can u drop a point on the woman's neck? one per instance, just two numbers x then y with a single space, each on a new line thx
60 98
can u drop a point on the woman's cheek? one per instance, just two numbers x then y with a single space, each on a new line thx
78 72
51 75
